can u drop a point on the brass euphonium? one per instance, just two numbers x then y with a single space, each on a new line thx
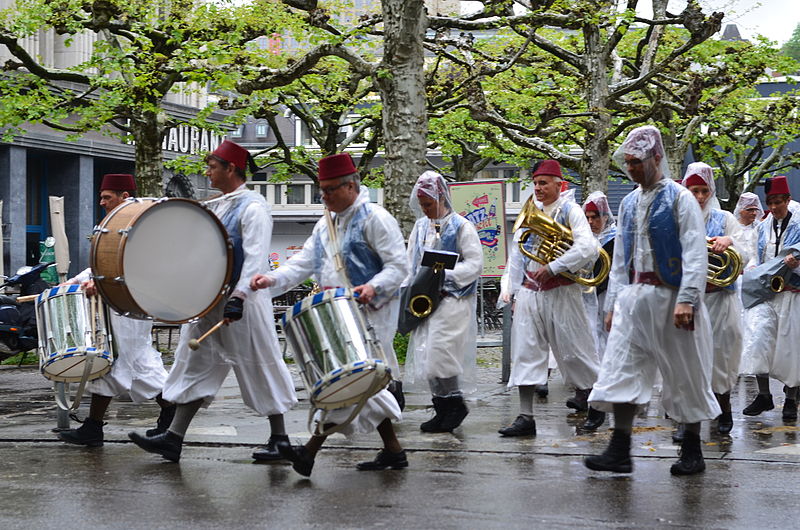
730 261
556 239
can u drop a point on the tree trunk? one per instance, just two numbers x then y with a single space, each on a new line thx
148 133
402 87
595 160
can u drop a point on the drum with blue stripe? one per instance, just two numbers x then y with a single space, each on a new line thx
71 335
339 358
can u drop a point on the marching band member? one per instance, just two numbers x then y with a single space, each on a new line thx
373 252
748 212
723 303
601 221
549 310
442 348
774 323
655 297
248 343
138 370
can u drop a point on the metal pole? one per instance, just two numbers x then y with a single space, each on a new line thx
62 415
483 324
507 318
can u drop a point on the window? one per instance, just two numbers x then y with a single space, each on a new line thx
261 130
295 194
238 132
316 197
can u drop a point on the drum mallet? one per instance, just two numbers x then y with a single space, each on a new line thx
195 343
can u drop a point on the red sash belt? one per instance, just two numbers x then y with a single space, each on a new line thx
552 283
650 278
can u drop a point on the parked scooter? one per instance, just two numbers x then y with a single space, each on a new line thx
18 320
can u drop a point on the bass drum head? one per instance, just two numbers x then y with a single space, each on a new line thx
176 261
68 367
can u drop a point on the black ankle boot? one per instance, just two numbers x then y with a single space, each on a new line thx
432 425
789 410
725 423
617 456
691 457
679 434
580 401
762 403
164 421
270 453
594 419
167 444
89 434
455 412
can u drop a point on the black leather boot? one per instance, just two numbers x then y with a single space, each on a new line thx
594 419
762 403
580 401
302 461
270 453
89 434
725 423
433 424
167 444
383 460
454 413
617 456
789 410
691 457
523 426
164 421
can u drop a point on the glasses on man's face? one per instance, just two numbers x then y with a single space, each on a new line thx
635 161
330 189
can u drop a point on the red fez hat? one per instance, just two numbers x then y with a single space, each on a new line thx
547 167
776 186
335 166
118 182
695 180
232 153
591 207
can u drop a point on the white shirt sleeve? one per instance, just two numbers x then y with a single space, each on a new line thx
256 226
584 250
515 267
694 258
618 276
84 276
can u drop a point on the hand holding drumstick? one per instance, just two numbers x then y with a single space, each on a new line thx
234 309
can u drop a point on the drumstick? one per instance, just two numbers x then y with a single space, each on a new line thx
28 298
195 343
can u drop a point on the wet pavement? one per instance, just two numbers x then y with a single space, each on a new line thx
469 479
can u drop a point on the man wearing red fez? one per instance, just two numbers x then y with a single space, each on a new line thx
370 252
549 313
655 301
774 345
248 342
724 304
138 370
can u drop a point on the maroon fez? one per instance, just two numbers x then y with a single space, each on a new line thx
776 186
232 153
591 207
695 180
335 166
550 168
118 182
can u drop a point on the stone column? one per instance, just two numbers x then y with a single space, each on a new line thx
13 191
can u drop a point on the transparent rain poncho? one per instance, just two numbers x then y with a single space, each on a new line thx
442 350
704 171
644 144
599 199
748 200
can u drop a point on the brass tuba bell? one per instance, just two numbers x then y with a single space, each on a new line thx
729 261
556 239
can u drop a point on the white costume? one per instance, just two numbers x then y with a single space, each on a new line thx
554 318
249 345
643 338
382 233
724 304
444 345
138 370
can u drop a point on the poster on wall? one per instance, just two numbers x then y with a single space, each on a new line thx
483 204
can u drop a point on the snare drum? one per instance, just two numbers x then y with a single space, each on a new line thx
70 336
166 259
341 363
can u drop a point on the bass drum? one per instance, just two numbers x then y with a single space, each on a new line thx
165 259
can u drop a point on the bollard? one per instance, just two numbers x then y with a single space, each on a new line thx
507 318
